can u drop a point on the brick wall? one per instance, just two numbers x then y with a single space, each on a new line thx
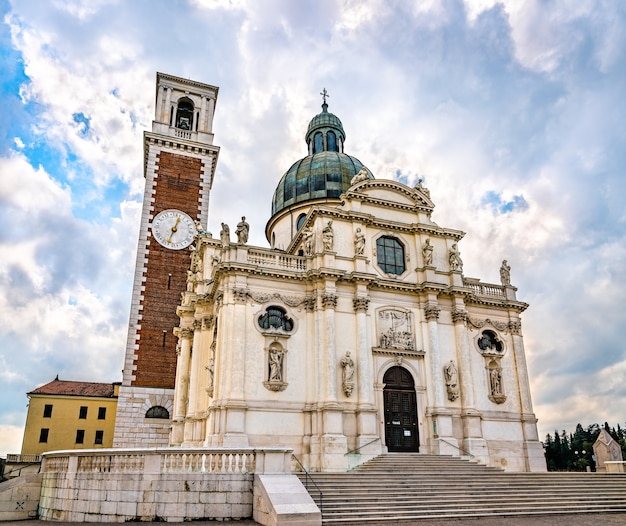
178 181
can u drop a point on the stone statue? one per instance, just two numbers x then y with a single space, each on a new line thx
276 365
495 379
225 235
359 242
361 176
199 228
427 252
242 231
505 273
347 374
328 236
308 241
456 263
452 380
211 376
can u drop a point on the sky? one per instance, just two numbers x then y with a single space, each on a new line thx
513 113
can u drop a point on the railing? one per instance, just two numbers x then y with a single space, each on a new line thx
30 459
466 453
307 477
485 289
169 460
182 134
361 447
276 260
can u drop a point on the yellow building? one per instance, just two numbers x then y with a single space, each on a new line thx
70 415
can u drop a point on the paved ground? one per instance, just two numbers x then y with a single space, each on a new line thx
587 519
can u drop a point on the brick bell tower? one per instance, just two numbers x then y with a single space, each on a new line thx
179 164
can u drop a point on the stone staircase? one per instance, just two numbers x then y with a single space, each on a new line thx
399 487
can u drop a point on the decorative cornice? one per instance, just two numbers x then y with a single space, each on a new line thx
361 304
431 312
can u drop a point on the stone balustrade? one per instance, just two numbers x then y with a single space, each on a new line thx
269 258
485 289
168 460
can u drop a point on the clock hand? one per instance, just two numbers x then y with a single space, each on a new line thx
174 229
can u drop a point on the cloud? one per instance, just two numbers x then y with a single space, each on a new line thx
511 112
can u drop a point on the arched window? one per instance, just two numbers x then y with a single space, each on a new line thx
157 411
331 141
390 255
275 318
184 115
300 220
318 143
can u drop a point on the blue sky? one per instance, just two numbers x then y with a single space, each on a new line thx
513 112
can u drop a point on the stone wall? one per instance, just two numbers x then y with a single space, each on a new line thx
169 484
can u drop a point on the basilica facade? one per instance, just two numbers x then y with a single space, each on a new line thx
353 333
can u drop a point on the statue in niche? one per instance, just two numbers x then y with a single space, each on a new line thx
452 380
505 273
225 235
495 381
308 241
456 263
359 242
242 231
211 378
361 176
275 365
427 252
328 236
347 374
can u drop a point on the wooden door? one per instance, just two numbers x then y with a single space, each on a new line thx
401 430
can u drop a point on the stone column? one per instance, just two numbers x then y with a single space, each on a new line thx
473 441
366 410
192 437
334 444
533 450
202 123
159 105
182 385
443 440
167 108
236 408
210 115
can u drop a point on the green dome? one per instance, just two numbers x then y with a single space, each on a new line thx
324 120
326 172
320 176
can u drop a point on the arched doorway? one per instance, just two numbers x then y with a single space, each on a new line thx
401 433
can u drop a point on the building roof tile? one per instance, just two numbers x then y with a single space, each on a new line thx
69 388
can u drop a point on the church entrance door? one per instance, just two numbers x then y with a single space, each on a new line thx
401 433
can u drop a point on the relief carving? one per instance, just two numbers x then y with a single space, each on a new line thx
479 324
515 327
395 330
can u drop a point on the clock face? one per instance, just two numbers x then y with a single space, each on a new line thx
173 229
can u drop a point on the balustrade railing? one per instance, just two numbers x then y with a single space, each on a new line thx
485 289
168 460
276 260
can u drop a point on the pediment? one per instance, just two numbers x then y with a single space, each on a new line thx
393 193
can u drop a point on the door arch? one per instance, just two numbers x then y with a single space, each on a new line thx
401 430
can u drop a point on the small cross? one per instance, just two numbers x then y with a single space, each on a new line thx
324 95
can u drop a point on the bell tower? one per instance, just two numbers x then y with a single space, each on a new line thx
179 165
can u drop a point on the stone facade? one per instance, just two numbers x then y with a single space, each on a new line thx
264 337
